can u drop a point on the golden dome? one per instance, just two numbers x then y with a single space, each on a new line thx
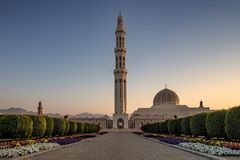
166 96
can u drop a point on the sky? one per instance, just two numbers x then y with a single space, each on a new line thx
62 53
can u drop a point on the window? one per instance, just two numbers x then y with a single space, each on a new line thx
120 63
116 63
120 42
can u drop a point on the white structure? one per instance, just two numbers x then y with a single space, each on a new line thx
120 117
165 106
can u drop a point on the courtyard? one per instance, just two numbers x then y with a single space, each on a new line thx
117 146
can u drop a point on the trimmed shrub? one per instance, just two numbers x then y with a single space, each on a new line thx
185 126
163 127
67 127
91 128
80 127
198 125
154 127
0 119
98 128
49 126
144 128
86 128
215 124
232 123
73 127
59 126
148 127
16 126
39 125
174 126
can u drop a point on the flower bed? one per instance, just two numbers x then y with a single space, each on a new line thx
65 141
232 145
215 142
156 136
214 150
23 150
172 140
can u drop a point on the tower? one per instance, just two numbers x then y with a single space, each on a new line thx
201 104
120 117
40 108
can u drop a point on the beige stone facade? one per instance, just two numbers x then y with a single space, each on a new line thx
165 106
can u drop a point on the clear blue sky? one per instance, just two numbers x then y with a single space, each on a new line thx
62 52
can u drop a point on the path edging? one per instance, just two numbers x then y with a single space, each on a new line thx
205 155
45 151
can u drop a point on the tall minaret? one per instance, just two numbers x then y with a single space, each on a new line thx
120 118
40 108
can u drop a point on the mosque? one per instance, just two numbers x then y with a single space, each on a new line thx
166 104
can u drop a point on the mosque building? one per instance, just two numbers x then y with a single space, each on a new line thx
165 106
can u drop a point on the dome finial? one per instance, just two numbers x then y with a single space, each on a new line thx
165 86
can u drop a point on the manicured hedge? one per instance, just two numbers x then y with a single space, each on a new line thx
16 126
151 128
59 126
215 124
198 124
39 125
218 124
232 123
185 126
155 127
87 128
73 127
49 126
174 126
91 128
67 127
80 127
163 127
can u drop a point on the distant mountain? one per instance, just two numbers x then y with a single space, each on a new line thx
89 115
15 110
18 110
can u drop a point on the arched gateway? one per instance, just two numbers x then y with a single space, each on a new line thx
120 123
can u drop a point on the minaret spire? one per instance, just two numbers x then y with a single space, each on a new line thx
40 108
120 118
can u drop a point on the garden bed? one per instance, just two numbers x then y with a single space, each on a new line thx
213 150
64 141
203 145
27 149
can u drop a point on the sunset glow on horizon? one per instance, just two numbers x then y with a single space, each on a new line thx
62 53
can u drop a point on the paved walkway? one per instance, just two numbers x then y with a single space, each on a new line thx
117 146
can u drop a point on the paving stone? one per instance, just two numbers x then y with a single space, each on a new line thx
117 146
